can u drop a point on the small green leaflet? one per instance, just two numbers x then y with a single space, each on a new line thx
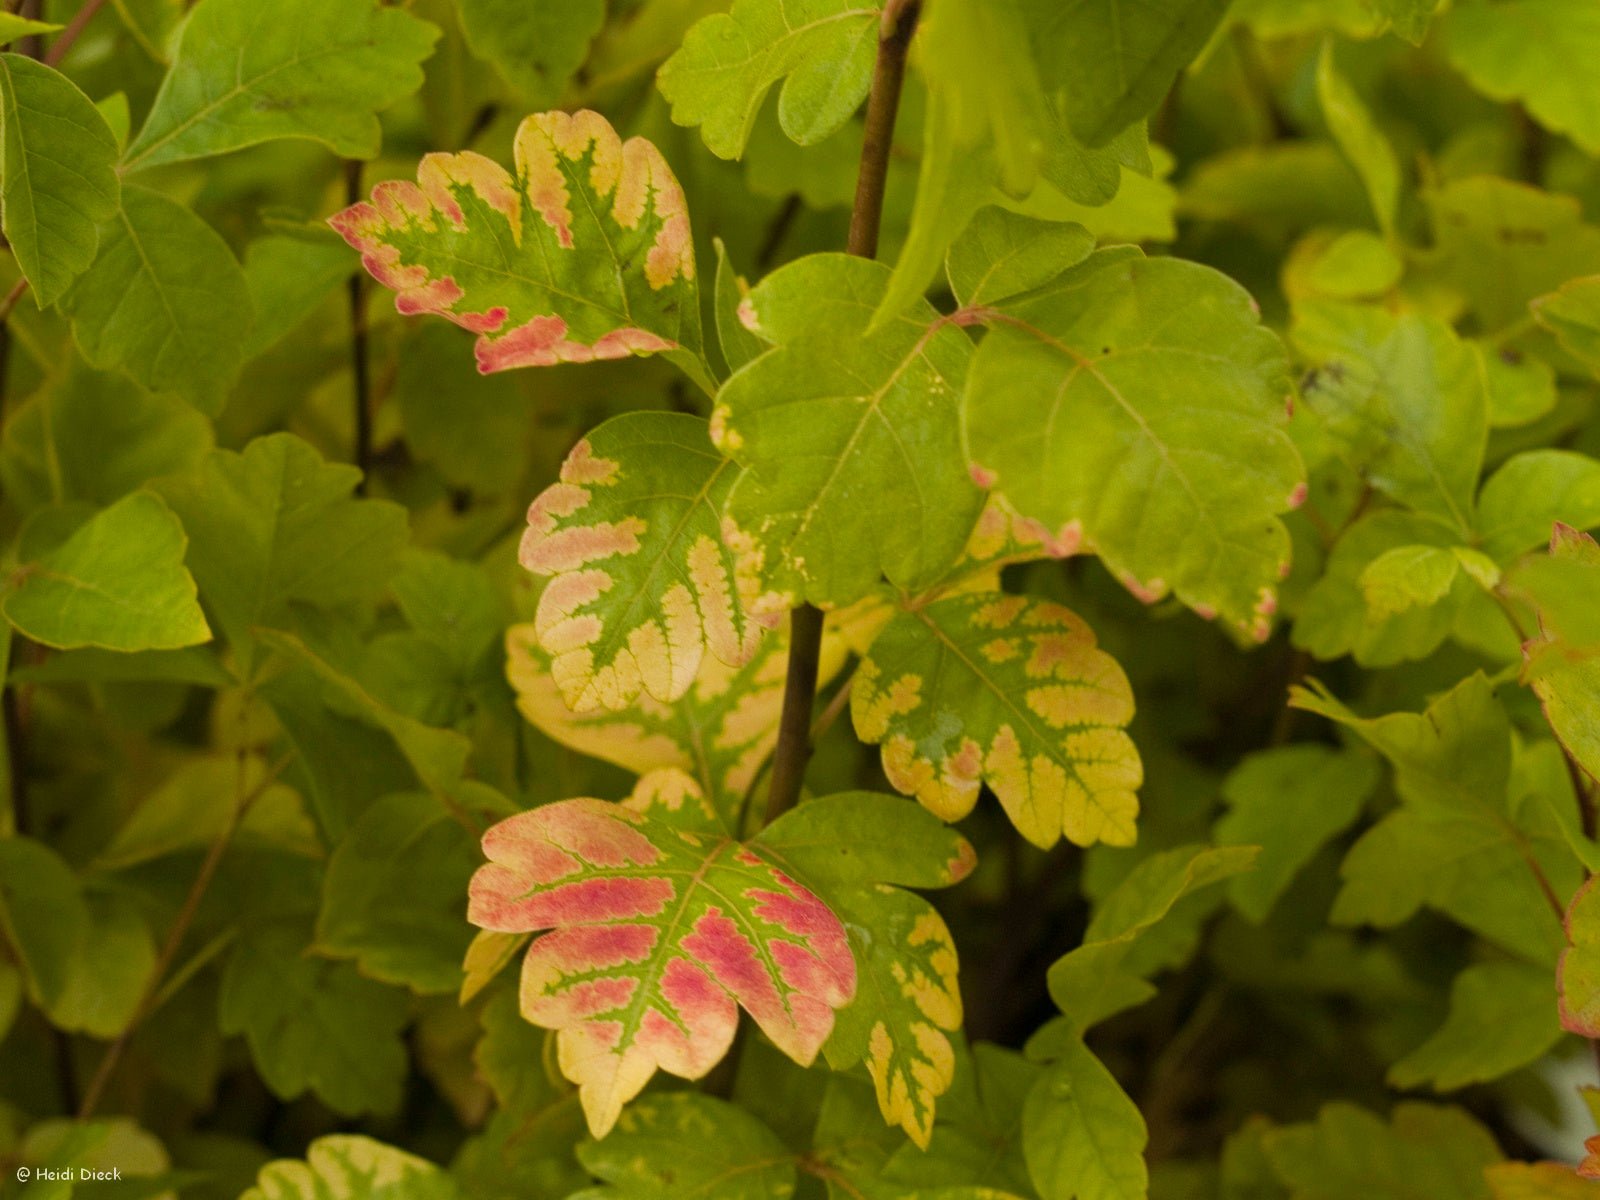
584 253
641 581
1095 981
821 49
536 47
1363 143
58 160
1542 53
1136 406
1404 398
853 467
1003 254
1500 1019
1011 692
13 27
1423 1150
1290 801
1578 975
662 927
1529 494
1115 59
349 1167
165 302
314 1025
1572 313
274 527
688 1144
118 583
245 73
1083 1136
1460 841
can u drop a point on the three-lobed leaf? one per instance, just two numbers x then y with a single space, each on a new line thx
583 253
848 438
661 928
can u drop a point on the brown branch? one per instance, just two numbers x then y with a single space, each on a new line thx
58 48
359 355
805 623
180 929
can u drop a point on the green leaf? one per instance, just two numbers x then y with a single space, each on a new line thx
437 756
475 434
274 527
1423 1151
316 69
1404 398
535 47
1459 842
1084 1138
94 437
59 167
164 303
1115 59
1334 617
1136 406
289 274
1408 577
184 813
556 263
662 929
1092 982
1529 493
314 1025
642 583
1363 143
345 1166
393 894
1500 1019
1572 313
43 915
822 50
1541 53
118 583
847 847
1290 801
682 1145
1010 692
13 27
110 971
1502 244
1002 254
853 467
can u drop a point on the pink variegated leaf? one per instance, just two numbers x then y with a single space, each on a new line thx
583 253
660 929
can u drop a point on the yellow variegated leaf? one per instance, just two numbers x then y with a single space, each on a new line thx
642 583
1011 692
721 731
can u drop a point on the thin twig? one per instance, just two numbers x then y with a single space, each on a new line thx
359 358
180 929
11 298
836 706
58 48
805 623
